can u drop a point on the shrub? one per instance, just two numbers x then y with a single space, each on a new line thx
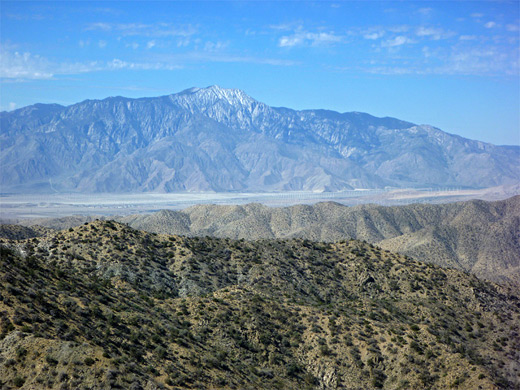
18 381
324 350
50 360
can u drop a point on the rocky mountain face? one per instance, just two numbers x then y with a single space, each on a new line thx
102 305
216 139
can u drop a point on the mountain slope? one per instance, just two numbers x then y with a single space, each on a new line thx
102 305
476 236
216 139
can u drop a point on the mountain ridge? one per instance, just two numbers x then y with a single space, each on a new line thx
482 237
473 236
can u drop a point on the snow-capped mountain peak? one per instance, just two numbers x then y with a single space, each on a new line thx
213 95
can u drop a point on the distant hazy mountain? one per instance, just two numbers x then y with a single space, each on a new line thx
216 139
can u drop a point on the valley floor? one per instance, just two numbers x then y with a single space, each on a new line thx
22 206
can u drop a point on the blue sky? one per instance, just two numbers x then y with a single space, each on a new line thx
451 64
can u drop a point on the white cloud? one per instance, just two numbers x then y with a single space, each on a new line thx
467 37
399 29
224 57
146 30
301 37
433 33
283 26
102 44
477 15
183 42
215 46
482 61
490 25
513 27
374 35
150 44
133 45
426 52
18 66
397 41
117 64
290 41
99 26
12 106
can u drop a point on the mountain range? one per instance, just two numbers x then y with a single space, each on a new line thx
216 139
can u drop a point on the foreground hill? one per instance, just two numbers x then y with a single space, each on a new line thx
476 236
215 139
105 306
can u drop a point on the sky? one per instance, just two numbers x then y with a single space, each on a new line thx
454 65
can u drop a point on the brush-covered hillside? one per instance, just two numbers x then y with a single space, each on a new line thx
19 232
106 306
475 236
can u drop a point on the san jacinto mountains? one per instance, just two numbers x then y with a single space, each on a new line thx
216 139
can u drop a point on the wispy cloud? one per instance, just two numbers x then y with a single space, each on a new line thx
373 35
22 66
215 46
25 16
482 61
99 26
212 56
301 37
117 64
490 24
399 29
183 42
143 29
397 41
433 33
